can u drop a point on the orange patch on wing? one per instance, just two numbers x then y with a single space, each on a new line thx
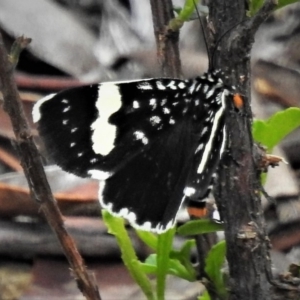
197 212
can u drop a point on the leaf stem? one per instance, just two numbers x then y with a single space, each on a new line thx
116 227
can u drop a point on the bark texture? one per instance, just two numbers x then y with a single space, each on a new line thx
238 187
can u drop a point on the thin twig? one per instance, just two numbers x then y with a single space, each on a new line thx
261 15
34 172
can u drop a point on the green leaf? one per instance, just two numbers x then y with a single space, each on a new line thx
199 227
175 268
184 14
149 238
164 247
187 247
213 264
282 3
255 5
205 296
184 257
187 10
185 251
272 131
116 227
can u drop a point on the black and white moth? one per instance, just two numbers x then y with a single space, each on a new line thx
153 143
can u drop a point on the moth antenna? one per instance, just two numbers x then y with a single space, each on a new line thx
210 62
211 57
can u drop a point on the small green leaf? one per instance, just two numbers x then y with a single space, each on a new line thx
199 227
184 257
175 268
282 3
187 10
184 14
149 238
205 296
255 5
187 247
116 227
272 131
213 264
185 251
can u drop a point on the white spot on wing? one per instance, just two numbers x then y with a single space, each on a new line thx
135 104
205 88
155 120
210 92
204 130
200 147
99 175
166 110
189 191
66 109
104 133
163 102
160 86
36 114
192 87
153 103
144 86
172 85
216 216
210 79
139 135
181 85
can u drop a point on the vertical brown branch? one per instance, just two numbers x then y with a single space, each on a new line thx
39 187
238 192
166 39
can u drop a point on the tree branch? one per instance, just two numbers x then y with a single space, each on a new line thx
238 189
34 172
166 39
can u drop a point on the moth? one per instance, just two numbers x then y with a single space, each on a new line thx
153 143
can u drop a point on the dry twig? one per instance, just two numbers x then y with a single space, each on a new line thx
34 172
